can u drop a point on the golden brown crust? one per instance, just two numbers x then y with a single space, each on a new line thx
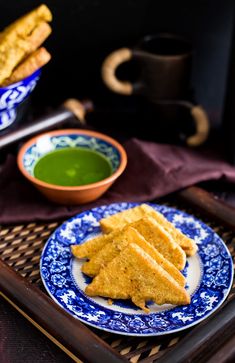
118 243
21 38
119 220
138 260
186 243
134 274
156 235
92 246
35 61
153 233
23 26
38 36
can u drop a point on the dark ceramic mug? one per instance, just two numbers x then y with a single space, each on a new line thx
165 69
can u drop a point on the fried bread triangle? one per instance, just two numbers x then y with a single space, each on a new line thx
119 242
119 220
16 41
93 245
134 275
149 229
155 234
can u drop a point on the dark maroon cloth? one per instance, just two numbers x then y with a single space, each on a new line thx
153 170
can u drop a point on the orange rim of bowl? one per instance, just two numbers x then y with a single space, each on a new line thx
111 178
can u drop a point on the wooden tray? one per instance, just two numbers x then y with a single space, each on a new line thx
21 286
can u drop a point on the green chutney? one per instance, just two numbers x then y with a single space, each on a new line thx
72 167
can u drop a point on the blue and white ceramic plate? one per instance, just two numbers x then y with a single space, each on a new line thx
209 277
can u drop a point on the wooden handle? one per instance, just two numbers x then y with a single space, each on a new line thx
56 118
209 205
79 109
108 70
202 126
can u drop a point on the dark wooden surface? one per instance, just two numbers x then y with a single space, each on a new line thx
226 353
199 345
61 325
21 342
208 204
20 248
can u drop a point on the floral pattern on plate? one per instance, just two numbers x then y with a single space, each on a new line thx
209 277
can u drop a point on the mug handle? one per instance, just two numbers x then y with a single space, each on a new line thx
201 120
202 125
108 71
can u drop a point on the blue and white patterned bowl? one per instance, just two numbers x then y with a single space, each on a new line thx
42 144
13 95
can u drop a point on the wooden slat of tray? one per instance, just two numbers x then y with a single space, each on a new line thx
20 248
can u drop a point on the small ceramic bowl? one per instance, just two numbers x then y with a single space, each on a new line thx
40 145
13 95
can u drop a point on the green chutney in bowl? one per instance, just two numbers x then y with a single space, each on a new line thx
72 166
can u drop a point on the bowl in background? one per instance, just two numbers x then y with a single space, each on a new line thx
13 95
42 144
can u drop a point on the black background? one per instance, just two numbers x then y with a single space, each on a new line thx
85 31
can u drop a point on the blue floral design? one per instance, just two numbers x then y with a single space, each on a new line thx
216 280
34 152
13 95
